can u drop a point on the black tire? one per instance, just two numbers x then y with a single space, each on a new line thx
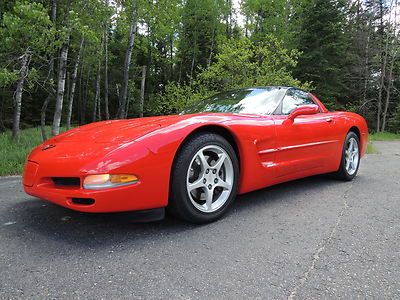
342 173
180 204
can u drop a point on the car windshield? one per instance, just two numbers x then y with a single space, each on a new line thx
261 101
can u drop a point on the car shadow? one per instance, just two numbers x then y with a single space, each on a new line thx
52 223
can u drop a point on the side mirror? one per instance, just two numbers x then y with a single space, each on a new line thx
309 109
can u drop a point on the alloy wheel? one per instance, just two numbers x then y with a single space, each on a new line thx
210 178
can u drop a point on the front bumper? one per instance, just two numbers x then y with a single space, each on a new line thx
77 160
126 198
138 196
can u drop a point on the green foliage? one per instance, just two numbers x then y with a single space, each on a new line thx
13 152
26 29
384 136
324 44
239 63
201 27
279 18
176 97
394 121
27 26
242 63
7 77
371 149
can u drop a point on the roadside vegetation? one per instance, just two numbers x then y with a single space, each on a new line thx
384 136
13 153
380 136
371 148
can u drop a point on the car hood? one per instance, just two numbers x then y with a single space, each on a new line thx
107 145
95 143
115 131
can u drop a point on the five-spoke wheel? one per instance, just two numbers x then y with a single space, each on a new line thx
350 157
210 178
210 169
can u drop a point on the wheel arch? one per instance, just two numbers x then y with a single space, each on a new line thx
356 130
211 128
363 138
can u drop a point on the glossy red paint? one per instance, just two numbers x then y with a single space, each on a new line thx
271 150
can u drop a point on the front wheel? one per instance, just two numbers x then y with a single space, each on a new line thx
204 179
350 158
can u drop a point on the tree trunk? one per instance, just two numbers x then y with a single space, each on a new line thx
192 67
50 95
366 72
127 107
127 63
171 58
2 127
383 68
23 73
97 96
229 24
142 90
67 86
60 88
106 74
117 89
180 71
384 115
53 10
390 76
73 84
384 58
96 108
211 50
81 84
84 102
43 114
62 70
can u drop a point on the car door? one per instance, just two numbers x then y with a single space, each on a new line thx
305 144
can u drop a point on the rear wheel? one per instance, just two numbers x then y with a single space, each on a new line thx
204 179
350 158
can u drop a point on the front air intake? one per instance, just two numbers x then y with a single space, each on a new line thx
66 181
82 201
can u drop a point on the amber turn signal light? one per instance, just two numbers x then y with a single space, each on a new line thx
101 181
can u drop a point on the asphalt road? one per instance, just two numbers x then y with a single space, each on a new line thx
309 239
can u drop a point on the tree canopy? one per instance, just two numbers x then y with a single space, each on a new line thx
68 62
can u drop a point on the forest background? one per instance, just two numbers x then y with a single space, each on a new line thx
64 63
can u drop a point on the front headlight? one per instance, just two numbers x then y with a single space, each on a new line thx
102 181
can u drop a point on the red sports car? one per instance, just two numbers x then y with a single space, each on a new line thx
196 163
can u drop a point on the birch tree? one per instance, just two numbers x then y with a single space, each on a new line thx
127 63
73 84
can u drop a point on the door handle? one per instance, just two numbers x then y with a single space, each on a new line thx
329 120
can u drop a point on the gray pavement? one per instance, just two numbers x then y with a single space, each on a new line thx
314 238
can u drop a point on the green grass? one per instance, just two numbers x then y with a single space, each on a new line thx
384 136
371 148
13 153
380 136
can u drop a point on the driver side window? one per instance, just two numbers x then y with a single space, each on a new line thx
293 99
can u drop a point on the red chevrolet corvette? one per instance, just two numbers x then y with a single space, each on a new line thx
196 163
